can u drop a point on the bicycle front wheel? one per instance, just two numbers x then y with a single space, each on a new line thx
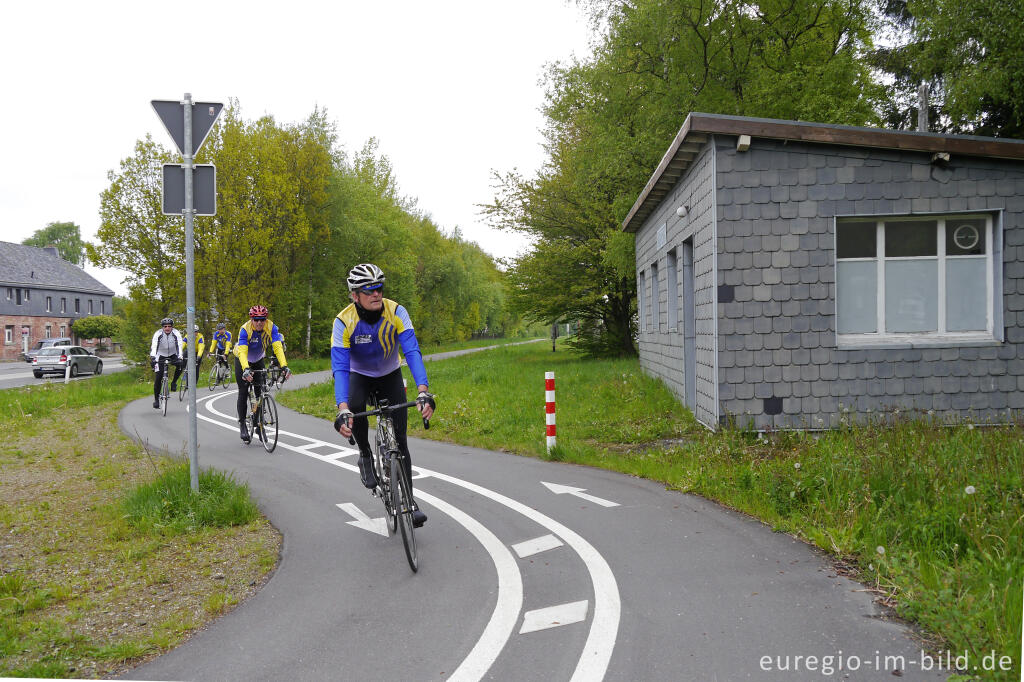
182 386
401 498
214 376
165 394
267 422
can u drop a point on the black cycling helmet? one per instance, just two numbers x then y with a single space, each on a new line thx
165 321
365 276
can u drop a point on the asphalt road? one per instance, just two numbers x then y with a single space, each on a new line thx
13 374
529 570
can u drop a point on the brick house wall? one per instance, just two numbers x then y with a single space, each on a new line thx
37 331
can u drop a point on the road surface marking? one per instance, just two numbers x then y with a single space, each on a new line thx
509 603
554 616
537 545
578 492
363 520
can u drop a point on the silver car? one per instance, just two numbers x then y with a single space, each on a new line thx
56 360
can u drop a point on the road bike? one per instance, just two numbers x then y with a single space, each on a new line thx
183 385
219 373
165 385
262 411
394 487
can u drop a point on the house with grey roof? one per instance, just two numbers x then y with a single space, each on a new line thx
41 295
796 275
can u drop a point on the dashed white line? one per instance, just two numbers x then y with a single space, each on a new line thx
537 545
554 616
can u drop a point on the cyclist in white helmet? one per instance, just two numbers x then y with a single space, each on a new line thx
364 358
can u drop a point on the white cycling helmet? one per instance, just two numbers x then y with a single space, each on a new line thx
365 276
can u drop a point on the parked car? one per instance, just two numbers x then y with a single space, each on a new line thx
56 359
47 343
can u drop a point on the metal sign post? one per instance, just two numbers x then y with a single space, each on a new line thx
184 138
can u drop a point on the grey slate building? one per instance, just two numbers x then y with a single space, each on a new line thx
41 295
796 275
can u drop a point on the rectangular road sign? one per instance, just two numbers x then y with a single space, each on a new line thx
204 189
172 113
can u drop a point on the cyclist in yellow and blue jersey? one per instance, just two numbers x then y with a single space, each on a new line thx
221 343
256 338
364 359
200 348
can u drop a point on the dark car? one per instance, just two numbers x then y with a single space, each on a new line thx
46 343
56 360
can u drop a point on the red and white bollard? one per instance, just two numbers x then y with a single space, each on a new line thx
549 408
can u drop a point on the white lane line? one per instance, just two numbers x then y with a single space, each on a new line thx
597 652
510 581
537 545
554 616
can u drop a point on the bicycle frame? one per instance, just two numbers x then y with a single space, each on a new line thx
394 485
262 410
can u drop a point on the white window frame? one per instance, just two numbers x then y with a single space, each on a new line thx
49 304
9 334
940 337
641 296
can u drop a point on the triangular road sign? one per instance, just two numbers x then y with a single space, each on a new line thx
172 114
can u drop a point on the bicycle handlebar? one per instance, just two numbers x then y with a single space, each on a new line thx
376 412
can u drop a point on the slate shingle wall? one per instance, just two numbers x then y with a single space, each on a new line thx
661 349
777 205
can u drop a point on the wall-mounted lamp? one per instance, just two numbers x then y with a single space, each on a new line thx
743 143
940 158
682 211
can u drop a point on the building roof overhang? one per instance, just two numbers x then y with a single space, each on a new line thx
698 129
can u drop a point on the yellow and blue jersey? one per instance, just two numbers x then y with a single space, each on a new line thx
200 344
253 346
372 349
222 341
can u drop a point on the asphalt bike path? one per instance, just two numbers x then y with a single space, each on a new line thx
529 570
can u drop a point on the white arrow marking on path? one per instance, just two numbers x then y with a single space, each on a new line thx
537 545
362 520
578 492
554 616
597 650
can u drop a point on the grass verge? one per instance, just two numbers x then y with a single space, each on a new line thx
931 517
104 558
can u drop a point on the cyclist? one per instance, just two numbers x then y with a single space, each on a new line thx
200 347
166 347
221 344
255 339
364 358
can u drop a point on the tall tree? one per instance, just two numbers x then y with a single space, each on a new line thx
610 117
67 237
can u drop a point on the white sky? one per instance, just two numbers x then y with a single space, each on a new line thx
450 89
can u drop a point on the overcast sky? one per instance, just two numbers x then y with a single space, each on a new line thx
450 89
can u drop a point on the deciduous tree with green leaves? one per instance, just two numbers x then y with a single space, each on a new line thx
67 237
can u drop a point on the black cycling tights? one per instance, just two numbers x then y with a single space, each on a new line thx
241 406
389 386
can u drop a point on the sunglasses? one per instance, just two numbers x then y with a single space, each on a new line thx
370 292
259 319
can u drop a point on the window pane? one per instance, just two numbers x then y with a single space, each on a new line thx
856 240
911 296
966 308
911 238
857 297
965 237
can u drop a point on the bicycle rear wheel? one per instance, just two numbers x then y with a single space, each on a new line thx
267 422
401 496
183 386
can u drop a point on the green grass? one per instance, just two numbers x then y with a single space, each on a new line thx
167 504
43 399
930 516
